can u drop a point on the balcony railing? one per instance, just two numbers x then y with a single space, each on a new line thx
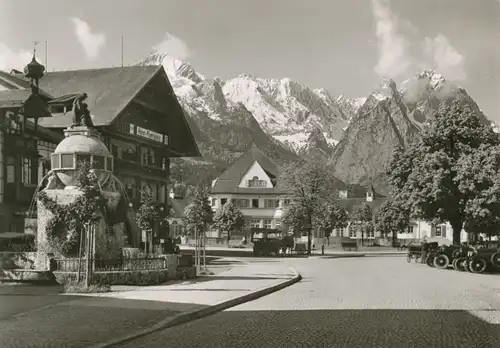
121 163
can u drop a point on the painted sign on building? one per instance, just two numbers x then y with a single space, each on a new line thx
148 134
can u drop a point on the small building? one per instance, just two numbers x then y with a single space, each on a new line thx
251 184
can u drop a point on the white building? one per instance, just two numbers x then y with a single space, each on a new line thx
250 183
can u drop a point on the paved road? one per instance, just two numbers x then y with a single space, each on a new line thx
358 302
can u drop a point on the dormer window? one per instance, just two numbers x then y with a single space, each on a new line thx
256 182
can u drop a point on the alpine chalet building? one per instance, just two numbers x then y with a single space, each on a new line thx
251 184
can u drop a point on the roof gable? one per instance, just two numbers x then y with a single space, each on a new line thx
109 90
229 180
256 171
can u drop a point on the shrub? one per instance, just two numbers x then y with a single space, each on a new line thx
82 289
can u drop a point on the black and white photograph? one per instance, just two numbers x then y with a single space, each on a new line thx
250 174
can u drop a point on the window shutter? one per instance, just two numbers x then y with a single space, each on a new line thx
433 230
443 231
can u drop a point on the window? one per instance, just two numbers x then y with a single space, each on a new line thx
277 223
148 157
223 201
27 171
410 229
267 223
82 158
14 122
10 169
98 162
243 203
352 232
55 164
371 233
255 182
440 231
255 203
340 232
254 223
67 161
271 203
164 163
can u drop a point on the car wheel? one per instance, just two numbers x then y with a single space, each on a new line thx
477 265
495 259
441 261
460 264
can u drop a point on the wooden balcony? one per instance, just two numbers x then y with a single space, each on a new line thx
122 165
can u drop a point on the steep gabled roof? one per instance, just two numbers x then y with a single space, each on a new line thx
229 180
14 98
109 90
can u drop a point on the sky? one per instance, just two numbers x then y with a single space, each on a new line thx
345 46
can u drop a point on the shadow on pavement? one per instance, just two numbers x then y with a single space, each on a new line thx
331 328
85 321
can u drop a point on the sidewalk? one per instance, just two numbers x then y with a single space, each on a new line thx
97 320
248 252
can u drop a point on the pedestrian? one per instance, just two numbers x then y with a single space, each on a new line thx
424 250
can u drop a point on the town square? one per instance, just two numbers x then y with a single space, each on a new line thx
330 181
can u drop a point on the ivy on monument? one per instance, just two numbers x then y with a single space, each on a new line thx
64 227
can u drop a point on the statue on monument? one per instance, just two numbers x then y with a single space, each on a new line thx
81 112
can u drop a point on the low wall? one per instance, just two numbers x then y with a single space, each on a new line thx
146 277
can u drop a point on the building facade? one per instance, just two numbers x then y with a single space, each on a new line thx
21 162
134 109
251 184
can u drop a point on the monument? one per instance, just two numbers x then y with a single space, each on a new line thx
62 192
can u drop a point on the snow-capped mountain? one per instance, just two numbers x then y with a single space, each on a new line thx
287 110
390 117
222 127
291 113
350 106
285 119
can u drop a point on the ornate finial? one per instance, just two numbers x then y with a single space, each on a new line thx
34 70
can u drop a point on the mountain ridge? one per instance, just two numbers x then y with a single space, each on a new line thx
288 121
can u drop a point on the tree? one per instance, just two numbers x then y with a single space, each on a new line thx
228 218
147 214
331 216
308 185
393 217
479 177
363 218
198 214
293 217
431 173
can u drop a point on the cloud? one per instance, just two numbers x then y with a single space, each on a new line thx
446 59
394 59
14 60
174 47
91 42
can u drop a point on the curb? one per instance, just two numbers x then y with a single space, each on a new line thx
200 313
